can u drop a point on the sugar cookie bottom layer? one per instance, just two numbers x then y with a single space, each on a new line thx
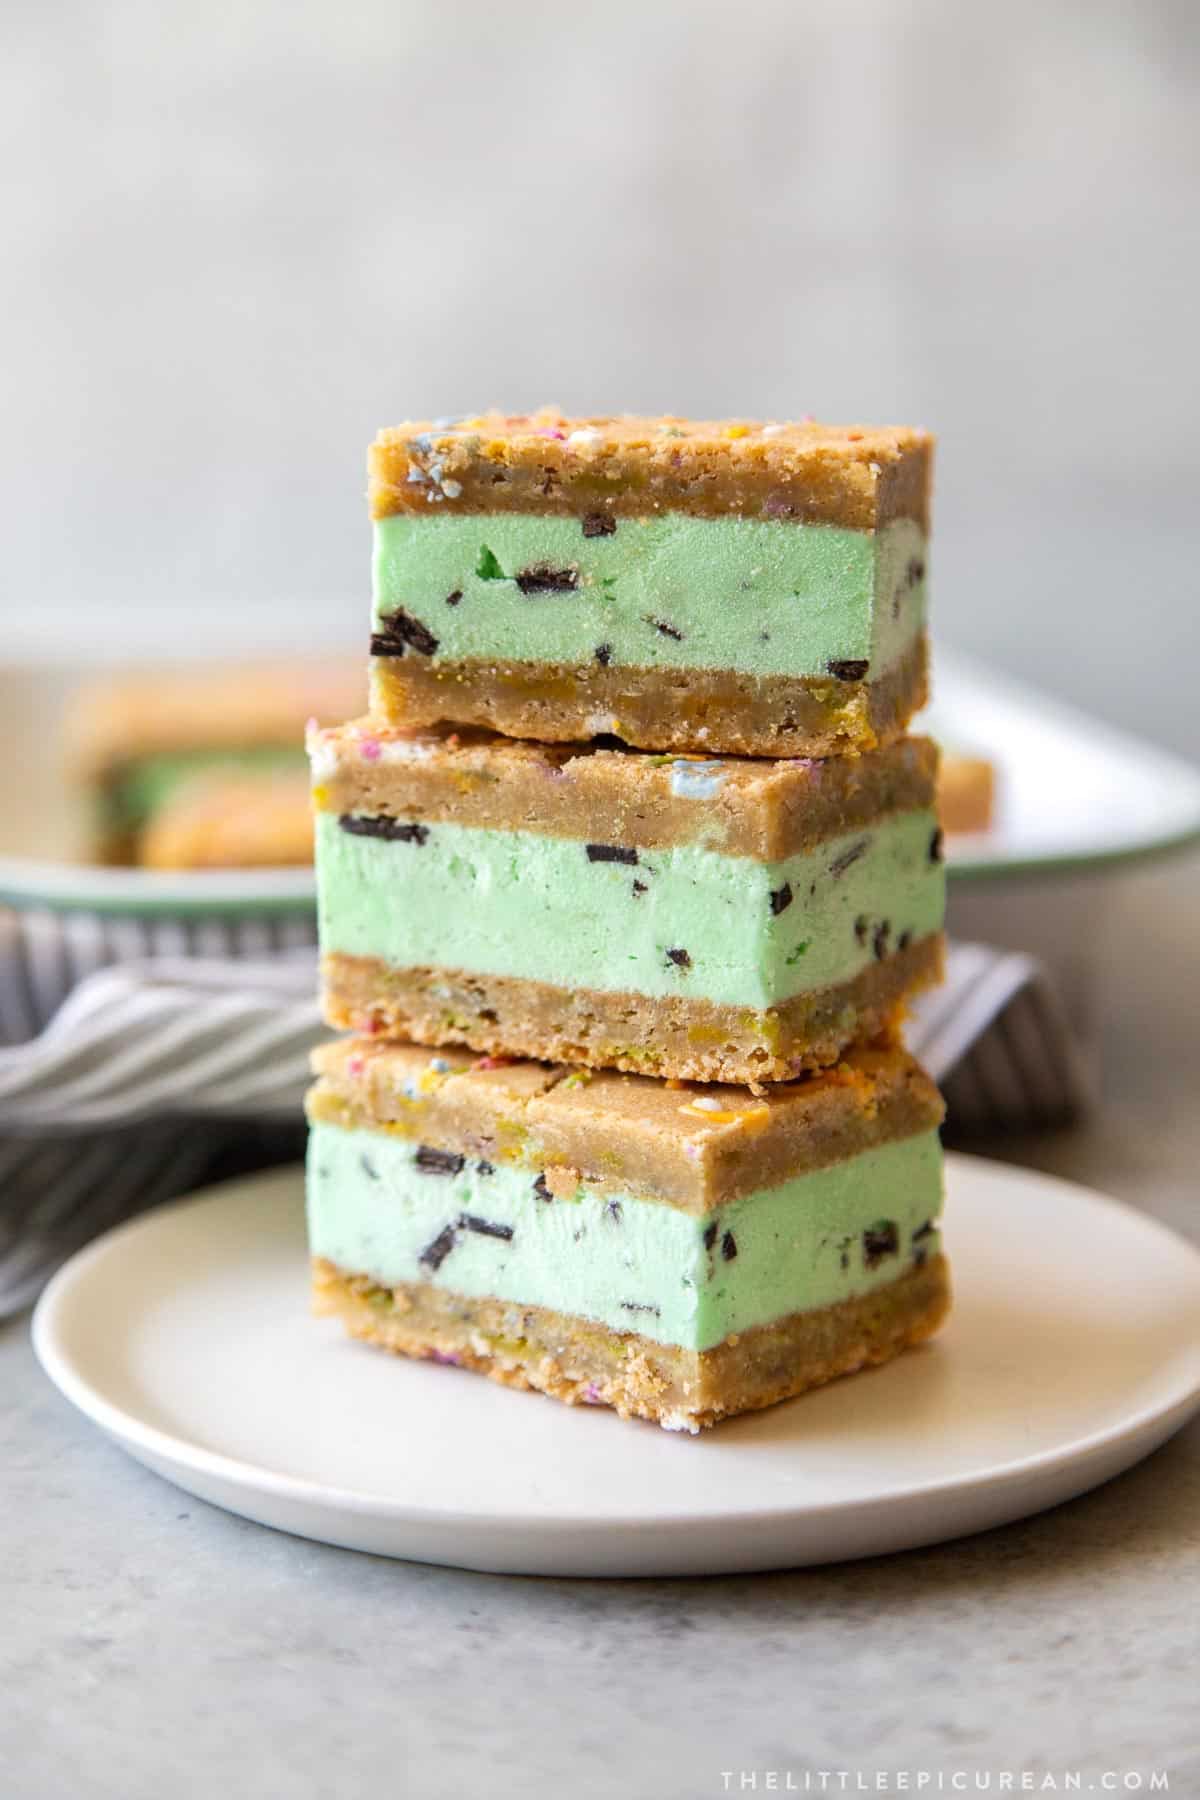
580 1362
687 1038
655 708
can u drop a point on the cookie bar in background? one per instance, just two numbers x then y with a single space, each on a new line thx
141 744
709 918
681 1254
230 818
727 586
966 792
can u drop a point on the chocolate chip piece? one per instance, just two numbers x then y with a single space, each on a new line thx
728 1246
483 1167
639 888
904 940
400 629
380 825
862 926
680 958
435 1254
368 1167
485 1227
598 524
540 578
438 1162
670 631
541 1190
641 1306
454 598
710 1235
924 1231
603 654
613 1212
920 1257
914 572
781 898
614 853
937 846
851 668
879 943
879 1241
849 855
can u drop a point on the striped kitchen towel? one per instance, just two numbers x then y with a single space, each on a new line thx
163 1073
185 1036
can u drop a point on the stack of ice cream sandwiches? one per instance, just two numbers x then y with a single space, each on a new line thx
624 884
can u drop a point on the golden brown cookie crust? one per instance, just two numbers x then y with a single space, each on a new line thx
702 710
628 1131
857 476
673 1036
580 1362
762 809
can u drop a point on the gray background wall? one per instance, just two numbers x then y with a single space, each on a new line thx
239 237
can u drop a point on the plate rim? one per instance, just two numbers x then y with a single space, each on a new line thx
1171 1411
968 861
28 885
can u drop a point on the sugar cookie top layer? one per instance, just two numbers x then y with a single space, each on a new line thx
689 1145
858 476
739 805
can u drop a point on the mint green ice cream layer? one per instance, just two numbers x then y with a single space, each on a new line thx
684 920
762 597
632 1264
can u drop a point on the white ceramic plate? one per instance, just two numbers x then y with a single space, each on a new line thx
1074 1350
1073 794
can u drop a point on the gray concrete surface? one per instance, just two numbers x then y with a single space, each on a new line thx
151 1646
